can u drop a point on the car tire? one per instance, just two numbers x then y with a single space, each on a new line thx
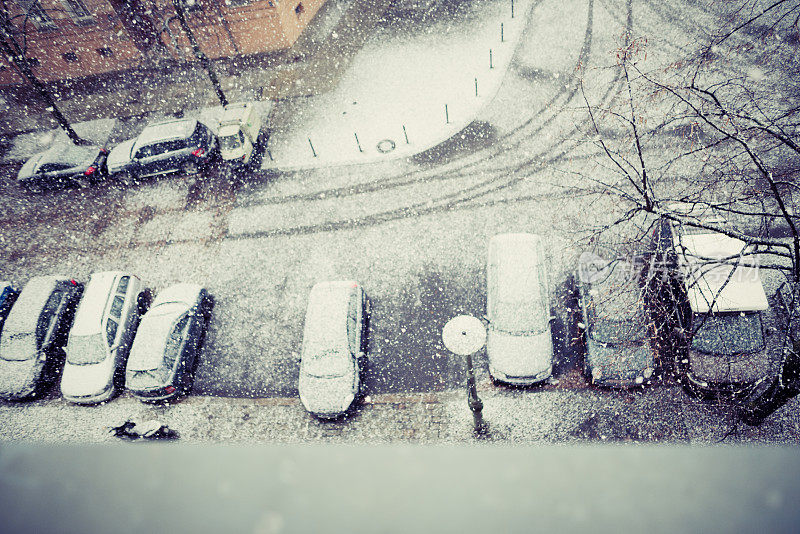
190 168
82 182
33 188
126 179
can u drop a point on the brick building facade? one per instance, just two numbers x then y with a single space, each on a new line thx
74 38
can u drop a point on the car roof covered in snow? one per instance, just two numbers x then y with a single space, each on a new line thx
515 256
326 315
89 317
719 286
24 315
166 130
147 351
65 153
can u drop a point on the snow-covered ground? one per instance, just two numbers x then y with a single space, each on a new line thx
412 230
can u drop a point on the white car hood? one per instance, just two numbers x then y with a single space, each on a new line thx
518 355
120 156
17 379
326 396
86 380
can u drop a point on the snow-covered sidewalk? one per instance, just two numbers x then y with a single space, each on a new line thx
405 91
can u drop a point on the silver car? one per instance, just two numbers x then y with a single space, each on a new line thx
333 357
101 337
519 345
615 325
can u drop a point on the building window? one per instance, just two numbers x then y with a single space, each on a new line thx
105 52
36 14
77 11
70 57
32 62
299 9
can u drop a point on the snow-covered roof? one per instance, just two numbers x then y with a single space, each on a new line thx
326 316
719 287
147 351
89 317
164 131
25 312
515 256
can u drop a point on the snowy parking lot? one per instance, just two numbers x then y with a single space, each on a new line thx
413 230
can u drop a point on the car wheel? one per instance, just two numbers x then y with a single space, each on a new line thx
82 182
143 301
191 168
126 179
34 188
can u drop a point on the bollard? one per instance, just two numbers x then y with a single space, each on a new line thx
405 134
312 147
357 143
446 115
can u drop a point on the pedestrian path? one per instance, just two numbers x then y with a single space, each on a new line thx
407 90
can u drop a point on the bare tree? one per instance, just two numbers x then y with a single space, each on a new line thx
712 142
14 32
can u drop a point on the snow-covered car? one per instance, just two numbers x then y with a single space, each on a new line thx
8 294
718 309
101 336
32 342
183 145
615 325
333 356
519 345
64 165
167 343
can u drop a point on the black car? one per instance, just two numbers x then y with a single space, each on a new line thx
184 145
62 166
164 352
34 334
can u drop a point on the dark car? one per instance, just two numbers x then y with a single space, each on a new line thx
170 336
8 294
615 326
34 334
62 166
718 315
184 145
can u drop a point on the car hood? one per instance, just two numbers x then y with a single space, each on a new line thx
18 379
326 396
120 155
86 380
519 355
626 363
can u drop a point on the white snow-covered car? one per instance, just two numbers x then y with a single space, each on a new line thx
519 345
101 336
333 356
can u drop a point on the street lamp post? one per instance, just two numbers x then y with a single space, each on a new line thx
465 335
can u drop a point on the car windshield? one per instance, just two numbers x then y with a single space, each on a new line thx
727 334
326 364
86 350
520 317
231 142
17 346
618 331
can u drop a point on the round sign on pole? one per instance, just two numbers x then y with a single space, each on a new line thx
464 334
